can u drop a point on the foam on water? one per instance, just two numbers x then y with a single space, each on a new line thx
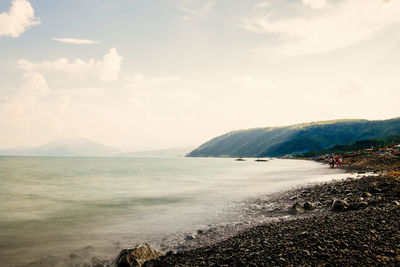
65 211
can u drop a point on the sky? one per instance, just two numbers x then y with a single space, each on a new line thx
157 74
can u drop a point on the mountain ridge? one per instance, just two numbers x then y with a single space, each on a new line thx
64 148
297 138
83 147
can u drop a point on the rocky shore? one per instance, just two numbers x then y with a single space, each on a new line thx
355 221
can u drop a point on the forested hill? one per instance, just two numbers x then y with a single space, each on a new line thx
300 138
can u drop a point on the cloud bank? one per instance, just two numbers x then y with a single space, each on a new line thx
315 4
18 19
142 81
106 70
76 41
331 27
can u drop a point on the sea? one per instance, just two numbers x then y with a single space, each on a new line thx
65 211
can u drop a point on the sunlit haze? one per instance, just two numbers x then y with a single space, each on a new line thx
156 74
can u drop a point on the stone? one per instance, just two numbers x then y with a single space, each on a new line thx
376 190
136 256
190 237
397 203
304 192
366 195
362 205
304 234
308 206
296 209
340 205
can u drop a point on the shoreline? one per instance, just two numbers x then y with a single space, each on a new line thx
366 230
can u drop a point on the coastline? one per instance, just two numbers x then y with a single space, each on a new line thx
366 231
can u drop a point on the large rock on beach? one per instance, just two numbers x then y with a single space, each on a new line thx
136 256
340 205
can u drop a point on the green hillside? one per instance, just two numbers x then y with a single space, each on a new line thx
294 139
356 146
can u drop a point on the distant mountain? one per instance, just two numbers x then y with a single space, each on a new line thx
64 148
164 153
300 138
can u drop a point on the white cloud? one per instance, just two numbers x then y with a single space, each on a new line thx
24 111
106 70
47 114
200 9
34 84
18 19
353 87
262 4
315 4
249 81
191 12
186 18
76 41
337 26
141 81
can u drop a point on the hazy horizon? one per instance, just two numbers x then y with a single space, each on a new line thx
143 75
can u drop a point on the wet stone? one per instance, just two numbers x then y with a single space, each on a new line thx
340 205
366 195
308 206
296 209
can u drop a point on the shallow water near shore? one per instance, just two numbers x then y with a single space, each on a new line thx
68 211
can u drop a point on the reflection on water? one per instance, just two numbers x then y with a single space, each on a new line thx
62 210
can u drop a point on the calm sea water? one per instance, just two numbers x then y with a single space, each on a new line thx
59 211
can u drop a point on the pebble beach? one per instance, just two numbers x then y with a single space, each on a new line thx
349 222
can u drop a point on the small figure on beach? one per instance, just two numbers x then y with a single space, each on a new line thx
337 162
332 163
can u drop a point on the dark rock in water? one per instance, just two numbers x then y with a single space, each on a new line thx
308 206
366 195
136 256
73 256
340 205
296 209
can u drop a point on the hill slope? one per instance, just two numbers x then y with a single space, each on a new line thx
64 148
300 138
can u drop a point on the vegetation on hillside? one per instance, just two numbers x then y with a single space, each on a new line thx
295 139
375 143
